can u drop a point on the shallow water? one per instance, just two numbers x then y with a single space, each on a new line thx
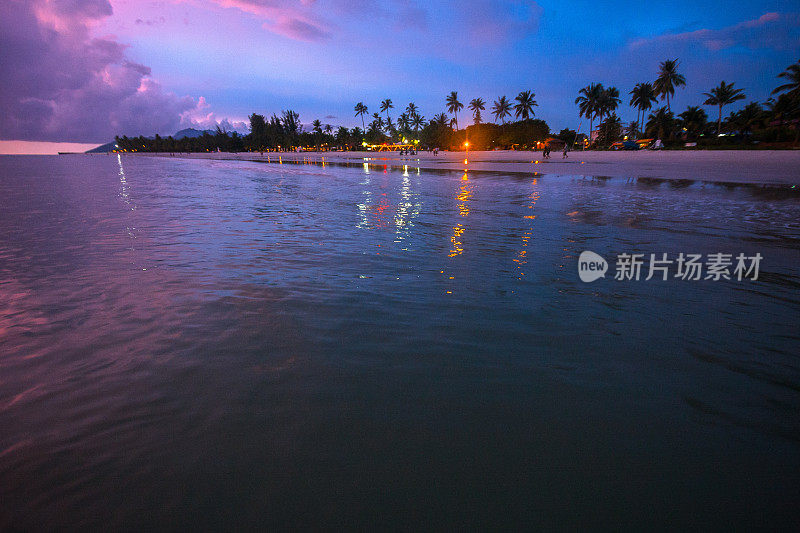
230 344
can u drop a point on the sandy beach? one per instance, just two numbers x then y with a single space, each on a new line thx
759 167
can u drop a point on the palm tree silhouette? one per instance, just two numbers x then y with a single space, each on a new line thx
361 109
525 105
668 78
608 102
477 105
417 121
749 118
501 109
721 96
642 98
386 105
661 123
317 129
589 101
441 120
403 122
377 120
454 106
694 120
792 89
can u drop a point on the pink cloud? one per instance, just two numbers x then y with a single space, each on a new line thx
62 84
286 18
297 30
779 31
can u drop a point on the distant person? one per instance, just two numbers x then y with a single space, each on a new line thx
564 153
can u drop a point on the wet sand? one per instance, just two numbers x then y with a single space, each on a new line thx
758 167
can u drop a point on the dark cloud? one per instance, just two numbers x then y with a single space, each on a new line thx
150 22
60 84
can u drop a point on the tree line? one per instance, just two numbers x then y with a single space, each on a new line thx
776 120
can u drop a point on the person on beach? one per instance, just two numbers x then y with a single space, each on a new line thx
564 154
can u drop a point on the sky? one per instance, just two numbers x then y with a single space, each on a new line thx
82 71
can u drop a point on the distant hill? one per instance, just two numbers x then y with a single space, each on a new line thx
192 133
103 148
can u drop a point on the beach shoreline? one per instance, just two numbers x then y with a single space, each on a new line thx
778 167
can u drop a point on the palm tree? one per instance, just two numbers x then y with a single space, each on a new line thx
411 109
440 120
328 129
721 96
693 120
501 109
477 105
403 121
750 117
642 98
661 123
386 105
589 100
609 101
342 135
610 130
361 109
792 89
317 129
525 105
377 120
417 121
454 106
668 78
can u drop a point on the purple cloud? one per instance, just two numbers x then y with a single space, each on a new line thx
61 84
150 22
778 31
298 30
284 17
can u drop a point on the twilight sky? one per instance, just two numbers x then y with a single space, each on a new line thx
85 70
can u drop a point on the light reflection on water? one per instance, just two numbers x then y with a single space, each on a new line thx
230 343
